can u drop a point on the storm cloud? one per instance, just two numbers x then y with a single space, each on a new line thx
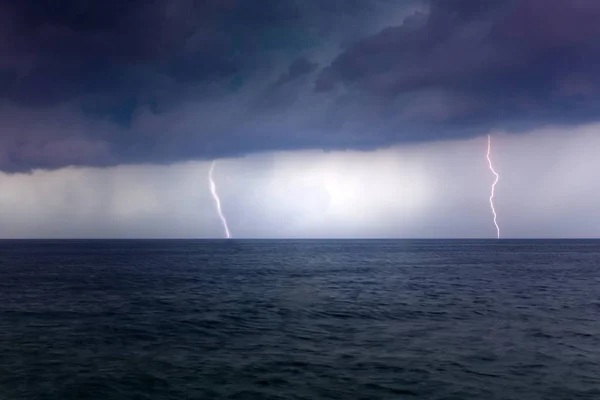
106 82
527 61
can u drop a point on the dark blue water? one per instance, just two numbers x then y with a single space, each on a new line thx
300 320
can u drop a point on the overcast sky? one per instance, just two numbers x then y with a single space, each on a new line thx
337 118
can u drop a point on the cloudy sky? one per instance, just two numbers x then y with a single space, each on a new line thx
328 118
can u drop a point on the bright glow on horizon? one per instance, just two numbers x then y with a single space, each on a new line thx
345 193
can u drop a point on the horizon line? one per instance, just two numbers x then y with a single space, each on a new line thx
294 238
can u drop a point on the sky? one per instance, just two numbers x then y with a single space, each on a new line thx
337 118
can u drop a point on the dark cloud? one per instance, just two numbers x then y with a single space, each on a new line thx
94 72
104 82
65 49
526 60
297 69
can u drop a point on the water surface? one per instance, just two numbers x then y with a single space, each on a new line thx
300 320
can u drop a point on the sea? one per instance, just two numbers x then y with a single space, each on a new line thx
300 319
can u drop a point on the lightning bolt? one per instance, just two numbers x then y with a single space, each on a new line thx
489 150
215 195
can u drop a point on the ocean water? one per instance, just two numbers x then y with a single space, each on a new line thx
300 320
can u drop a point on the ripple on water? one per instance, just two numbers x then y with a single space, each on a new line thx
300 320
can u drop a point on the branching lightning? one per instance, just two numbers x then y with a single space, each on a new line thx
213 190
489 150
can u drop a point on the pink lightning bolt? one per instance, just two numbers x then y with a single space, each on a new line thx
215 195
489 150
